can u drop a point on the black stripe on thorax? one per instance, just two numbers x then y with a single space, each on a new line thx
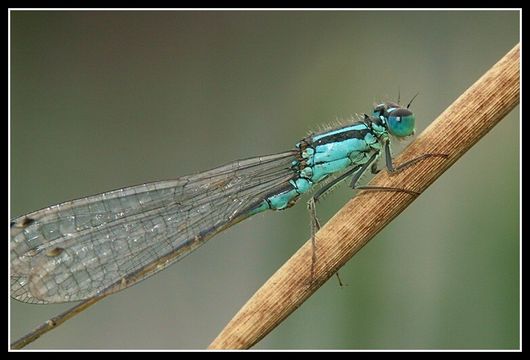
341 136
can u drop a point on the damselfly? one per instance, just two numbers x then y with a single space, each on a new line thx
104 243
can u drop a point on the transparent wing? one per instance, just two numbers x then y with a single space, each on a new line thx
107 242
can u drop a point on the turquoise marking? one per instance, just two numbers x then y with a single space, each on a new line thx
281 201
338 150
321 171
378 129
307 172
302 185
338 131
371 140
307 153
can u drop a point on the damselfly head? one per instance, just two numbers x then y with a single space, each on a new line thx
400 121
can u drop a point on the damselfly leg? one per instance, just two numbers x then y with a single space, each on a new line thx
357 172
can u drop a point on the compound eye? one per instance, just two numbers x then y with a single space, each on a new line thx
401 122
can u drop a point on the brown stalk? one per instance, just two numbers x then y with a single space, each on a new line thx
458 128
454 132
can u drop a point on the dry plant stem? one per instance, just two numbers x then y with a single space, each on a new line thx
53 323
453 133
456 130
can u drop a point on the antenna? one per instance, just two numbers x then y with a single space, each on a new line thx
411 100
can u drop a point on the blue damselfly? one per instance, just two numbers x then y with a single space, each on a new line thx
104 243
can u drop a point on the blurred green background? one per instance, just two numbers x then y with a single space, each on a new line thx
101 100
